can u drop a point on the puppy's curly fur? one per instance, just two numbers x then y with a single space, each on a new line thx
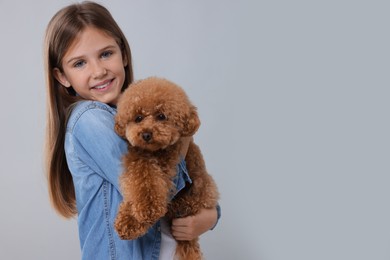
153 115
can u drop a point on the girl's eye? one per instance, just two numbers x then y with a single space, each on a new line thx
138 119
161 117
106 54
79 64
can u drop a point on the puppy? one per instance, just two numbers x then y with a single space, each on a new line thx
153 115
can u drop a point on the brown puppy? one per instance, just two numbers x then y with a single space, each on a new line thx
153 115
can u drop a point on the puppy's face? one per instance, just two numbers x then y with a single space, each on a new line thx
154 113
150 128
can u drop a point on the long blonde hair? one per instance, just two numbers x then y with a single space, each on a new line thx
61 31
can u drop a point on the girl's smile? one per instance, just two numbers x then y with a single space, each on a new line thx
94 66
103 86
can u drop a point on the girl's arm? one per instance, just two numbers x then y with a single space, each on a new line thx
95 142
191 227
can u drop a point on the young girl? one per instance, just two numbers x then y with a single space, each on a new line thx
88 65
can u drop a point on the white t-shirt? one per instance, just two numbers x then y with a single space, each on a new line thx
168 243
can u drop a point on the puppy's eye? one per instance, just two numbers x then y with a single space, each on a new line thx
138 119
161 117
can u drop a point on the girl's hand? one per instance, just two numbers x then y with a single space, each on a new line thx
191 227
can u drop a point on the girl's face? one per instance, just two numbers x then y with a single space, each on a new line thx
94 66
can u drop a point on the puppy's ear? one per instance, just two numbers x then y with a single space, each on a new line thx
119 126
192 123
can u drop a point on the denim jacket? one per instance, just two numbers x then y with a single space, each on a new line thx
93 153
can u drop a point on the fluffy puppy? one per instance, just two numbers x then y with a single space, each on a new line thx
153 114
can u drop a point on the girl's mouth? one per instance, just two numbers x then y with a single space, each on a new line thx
103 85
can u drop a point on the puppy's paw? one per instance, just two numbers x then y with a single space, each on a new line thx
129 228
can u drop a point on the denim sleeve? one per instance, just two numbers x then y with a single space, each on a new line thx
218 215
98 145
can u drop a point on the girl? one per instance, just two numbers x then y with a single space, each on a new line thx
88 65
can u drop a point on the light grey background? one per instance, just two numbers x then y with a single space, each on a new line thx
294 102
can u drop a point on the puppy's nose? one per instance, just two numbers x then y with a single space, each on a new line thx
147 136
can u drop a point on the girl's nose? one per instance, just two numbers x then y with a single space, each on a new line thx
98 71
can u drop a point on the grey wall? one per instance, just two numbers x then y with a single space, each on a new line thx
293 97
